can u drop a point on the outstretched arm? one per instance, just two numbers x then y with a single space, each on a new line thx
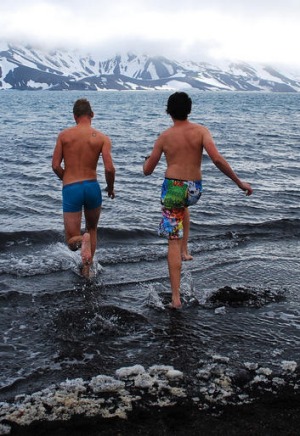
222 164
109 168
152 160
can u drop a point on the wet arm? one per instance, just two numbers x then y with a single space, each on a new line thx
57 159
152 160
109 168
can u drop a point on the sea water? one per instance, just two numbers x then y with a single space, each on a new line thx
64 339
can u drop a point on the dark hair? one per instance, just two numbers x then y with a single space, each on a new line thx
82 107
179 105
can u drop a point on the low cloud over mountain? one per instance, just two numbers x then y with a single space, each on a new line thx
26 68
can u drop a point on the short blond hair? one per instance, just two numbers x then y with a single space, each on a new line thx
82 107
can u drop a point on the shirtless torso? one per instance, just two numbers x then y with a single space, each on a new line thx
183 145
80 147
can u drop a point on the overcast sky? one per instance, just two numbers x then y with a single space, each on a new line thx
250 30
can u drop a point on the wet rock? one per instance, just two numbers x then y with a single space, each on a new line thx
243 296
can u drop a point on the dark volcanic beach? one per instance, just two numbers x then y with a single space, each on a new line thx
107 356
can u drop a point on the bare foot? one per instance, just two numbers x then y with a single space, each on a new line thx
186 256
85 271
86 254
175 305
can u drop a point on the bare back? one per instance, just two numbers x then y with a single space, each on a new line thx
80 147
182 145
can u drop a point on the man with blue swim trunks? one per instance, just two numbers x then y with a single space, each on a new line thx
183 144
79 148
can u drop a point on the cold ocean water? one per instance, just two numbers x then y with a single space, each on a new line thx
109 351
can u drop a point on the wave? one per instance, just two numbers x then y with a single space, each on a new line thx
267 228
9 239
276 229
41 253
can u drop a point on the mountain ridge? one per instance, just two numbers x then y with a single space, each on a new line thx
23 67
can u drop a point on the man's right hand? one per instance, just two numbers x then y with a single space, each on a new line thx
111 193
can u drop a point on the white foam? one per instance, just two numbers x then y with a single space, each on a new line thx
220 310
4 429
251 366
77 396
264 371
104 383
289 365
115 396
130 371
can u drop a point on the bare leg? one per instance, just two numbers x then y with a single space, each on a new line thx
88 241
75 240
86 254
72 221
174 264
91 218
186 231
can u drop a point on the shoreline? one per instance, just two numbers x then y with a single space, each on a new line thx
276 416
161 401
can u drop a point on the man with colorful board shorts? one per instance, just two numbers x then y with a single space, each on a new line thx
183 144
80 147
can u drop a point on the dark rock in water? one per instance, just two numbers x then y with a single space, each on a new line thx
242 296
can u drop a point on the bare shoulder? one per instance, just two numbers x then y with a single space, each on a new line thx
99 135
199 127
66 133
201 132
166 136
166 132
98 139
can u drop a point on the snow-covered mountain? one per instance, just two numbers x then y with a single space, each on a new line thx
26 68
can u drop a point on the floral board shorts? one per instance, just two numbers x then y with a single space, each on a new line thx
176 195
